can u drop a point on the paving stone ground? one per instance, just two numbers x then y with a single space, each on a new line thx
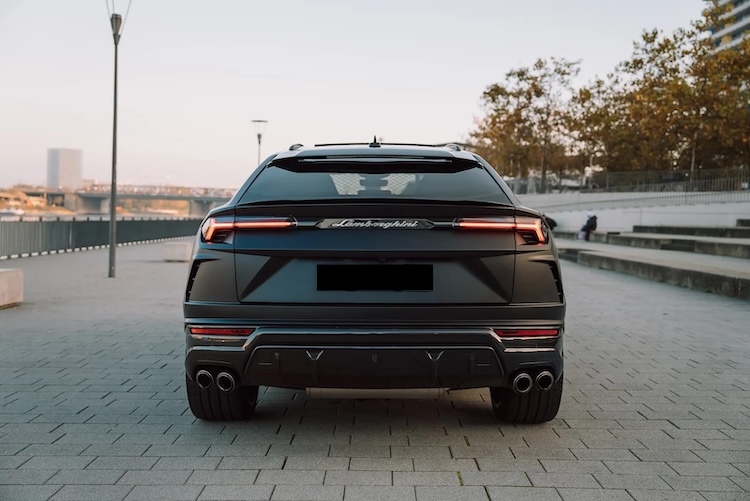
656 405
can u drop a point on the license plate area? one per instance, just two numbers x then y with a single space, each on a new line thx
375 277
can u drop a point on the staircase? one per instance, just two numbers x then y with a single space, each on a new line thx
711 259
732 242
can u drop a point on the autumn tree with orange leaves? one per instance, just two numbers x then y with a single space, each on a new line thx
678 102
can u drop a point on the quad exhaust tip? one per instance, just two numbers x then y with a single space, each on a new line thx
204 379
225 381
522 383
545 380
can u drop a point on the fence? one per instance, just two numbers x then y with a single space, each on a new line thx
27 236
674 181
588 200
638 182
643 189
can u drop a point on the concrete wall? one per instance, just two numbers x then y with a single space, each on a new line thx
624 218
86 204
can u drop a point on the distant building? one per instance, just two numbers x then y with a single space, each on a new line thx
64 169
732 34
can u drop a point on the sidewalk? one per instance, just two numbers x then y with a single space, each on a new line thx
728 276
656 405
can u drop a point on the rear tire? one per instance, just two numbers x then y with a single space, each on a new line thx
533 407
213 404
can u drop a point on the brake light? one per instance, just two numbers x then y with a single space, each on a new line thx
486 224
214 225
216 229
531 229
222 331
527 332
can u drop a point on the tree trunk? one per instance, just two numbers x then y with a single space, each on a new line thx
692 157
543 166
519 178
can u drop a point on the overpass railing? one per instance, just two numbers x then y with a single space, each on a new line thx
156 190
28 236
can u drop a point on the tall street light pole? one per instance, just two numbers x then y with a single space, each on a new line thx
116 22
260 127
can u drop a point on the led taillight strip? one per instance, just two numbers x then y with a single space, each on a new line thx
522 224
480 224
221 331
527 332
212 225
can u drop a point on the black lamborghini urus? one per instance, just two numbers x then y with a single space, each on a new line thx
379 268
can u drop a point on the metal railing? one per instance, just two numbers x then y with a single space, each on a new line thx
27 236
645 189
161 190
674 181
586 201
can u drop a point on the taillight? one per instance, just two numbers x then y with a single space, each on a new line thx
217 229
527 332
531 229
492 223
222 331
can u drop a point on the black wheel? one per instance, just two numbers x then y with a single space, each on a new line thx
213 404
528 408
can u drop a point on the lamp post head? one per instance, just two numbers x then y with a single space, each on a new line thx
260 126
116 21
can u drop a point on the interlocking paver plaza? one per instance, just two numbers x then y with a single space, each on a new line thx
92 406
308 493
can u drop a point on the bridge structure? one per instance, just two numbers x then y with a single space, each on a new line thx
94 199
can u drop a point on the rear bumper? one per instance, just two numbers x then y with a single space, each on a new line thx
373 357
460 315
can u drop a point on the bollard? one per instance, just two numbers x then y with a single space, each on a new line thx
177 251
11 287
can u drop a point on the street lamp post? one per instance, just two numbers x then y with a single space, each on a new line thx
116 22
260 127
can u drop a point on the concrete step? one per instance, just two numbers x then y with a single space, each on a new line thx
571 235
732 247
717 246
699 231
726 276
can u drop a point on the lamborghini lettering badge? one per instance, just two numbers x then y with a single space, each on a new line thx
379 224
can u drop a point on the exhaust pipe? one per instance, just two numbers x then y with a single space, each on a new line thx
204 379
545 380
522 383
225 381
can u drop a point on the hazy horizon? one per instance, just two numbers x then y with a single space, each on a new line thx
193 76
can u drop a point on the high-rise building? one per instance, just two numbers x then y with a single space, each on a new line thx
64 169
732 34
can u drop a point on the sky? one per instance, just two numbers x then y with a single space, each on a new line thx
193 74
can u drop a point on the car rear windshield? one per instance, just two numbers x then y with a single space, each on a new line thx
359 180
